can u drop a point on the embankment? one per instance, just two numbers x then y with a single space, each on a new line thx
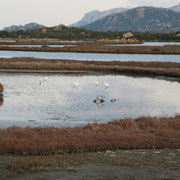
168 69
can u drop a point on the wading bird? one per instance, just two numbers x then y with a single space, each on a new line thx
45 78
96 83
100 99
76 84
106 85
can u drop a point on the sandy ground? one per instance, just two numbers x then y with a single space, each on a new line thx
109 165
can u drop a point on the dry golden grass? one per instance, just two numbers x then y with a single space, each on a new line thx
143 132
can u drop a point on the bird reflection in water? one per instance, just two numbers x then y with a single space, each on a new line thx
114 100
100 101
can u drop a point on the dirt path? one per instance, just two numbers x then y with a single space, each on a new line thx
109 165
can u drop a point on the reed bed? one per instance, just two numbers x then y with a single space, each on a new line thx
168 69
140 133
98 47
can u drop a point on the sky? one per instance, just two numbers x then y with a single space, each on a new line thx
55 12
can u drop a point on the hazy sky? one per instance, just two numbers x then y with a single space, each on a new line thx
54 12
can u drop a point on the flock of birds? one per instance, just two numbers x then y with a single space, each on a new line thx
41 80
100 99
76 84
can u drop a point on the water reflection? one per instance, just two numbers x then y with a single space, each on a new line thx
100 101
114 100
93 56
7 41
67 41
55 102
38 46
147 44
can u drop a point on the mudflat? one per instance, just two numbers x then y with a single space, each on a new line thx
120 164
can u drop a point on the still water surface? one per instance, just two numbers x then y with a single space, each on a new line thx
147 44
36 45
56 102
7 41
92 56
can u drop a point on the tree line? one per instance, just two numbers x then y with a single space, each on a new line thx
75 33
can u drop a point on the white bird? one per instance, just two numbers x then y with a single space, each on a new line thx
76 84
96 83
45 78
106 85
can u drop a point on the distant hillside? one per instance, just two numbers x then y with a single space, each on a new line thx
139 20
29 26
95 15
176 8
62 32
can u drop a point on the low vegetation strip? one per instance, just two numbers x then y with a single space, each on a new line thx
99 47
140 133
168 69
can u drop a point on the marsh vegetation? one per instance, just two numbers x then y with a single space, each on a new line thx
38 148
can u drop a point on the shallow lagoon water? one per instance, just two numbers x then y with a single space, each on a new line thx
92 56
56 102
147 44
36 45
66 41
7 41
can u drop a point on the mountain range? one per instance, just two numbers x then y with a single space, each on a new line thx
176 8
29 26
122 19
139 20
95 15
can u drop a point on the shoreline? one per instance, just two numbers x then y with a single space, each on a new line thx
150 145
127 133
120 164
